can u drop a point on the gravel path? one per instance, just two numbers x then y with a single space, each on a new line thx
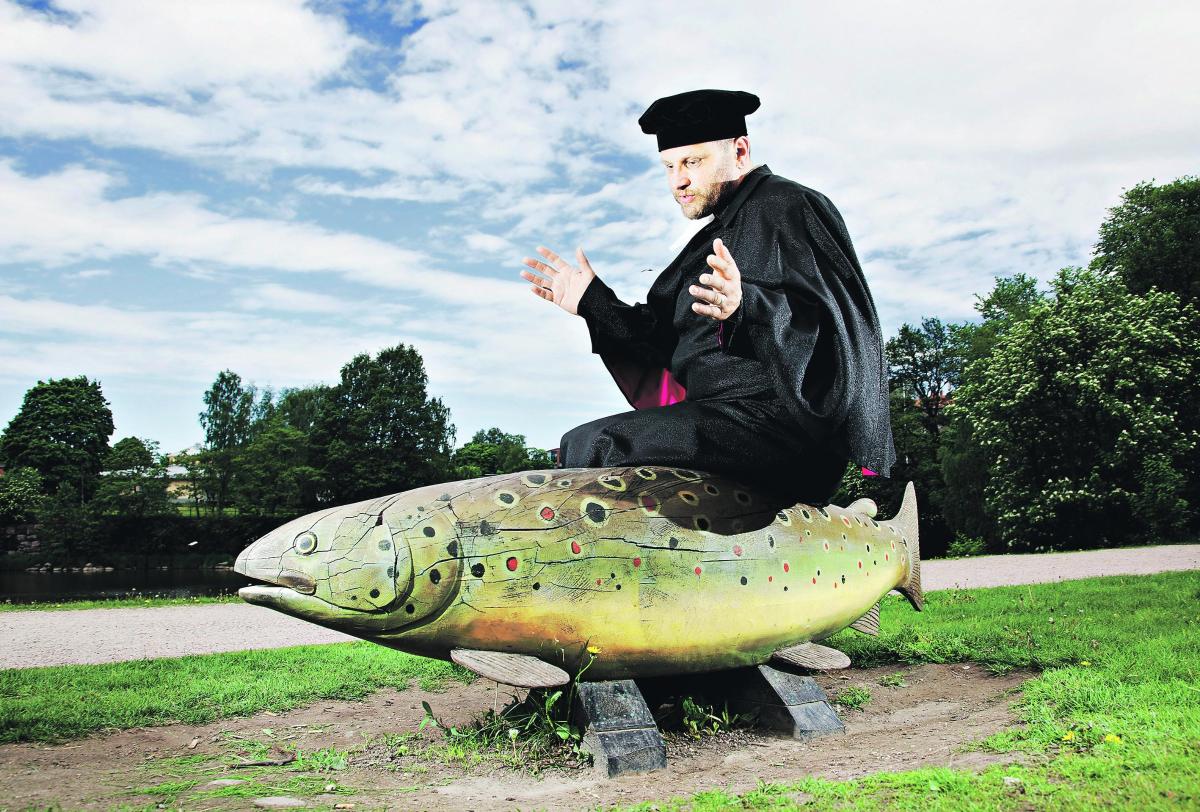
29 639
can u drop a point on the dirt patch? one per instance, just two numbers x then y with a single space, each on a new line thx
923 722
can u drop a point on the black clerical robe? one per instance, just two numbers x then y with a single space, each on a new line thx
783 392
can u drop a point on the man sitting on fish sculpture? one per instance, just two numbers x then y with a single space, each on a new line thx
630 561
758 353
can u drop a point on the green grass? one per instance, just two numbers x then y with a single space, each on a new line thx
62 702
115 603
1113 720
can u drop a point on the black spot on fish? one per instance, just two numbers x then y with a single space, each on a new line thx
673 543
420 508
507 498
391 572
785 589
618 587
410 608
744 581
486 528
379 520
595 511
536 586
711 489
612 575
876 563
537 479
868 548
428 531
843 579
452 549
742 497
701 523
781 516
818 573
353 597
445 497
770 541
385 545
477 570
374 593
435 576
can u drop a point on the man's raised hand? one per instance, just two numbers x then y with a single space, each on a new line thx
722 291
560 282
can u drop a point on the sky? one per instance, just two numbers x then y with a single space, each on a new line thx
273 187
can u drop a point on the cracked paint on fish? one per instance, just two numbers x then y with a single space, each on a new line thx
665 570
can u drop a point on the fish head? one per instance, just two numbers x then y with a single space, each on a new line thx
342 568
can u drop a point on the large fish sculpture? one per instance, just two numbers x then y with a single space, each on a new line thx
633 572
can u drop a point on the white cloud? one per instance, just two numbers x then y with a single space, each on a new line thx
960 142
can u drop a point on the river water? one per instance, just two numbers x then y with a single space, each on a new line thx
30 587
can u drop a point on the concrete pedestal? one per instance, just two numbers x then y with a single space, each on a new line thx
620 732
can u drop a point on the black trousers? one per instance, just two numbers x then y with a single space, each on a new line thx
750 441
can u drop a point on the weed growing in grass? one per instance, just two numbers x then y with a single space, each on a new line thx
704 720
854 697
893 680
532 733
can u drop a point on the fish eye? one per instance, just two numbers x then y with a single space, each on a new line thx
305 543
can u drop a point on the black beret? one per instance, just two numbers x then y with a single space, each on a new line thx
698 116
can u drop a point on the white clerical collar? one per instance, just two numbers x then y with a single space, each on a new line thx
688 232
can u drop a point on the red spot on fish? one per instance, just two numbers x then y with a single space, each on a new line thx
698 570
845 521
737 550
547 513
637 562
835 584
770 578
887 557
598 582
860 565
786 568
826 545
511 564
814 580
648 502
575 548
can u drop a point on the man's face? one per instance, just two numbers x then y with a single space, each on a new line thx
701 176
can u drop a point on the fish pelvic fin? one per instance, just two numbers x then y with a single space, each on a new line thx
868 623
906 522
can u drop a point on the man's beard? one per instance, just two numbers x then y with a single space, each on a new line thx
709 201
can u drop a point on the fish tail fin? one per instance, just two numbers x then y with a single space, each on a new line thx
906 523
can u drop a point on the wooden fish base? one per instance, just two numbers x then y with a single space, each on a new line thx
623 738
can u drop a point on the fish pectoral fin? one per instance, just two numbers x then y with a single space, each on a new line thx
868 623
813 657
517 670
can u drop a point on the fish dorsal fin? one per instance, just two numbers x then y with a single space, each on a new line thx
865 506
813 657
868 623
518 670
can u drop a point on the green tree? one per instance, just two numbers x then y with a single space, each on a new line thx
228 421
925 365
273 474
67 528
62 431
491 451
1152 239
381 432
964 463
20 495
134 481
1085 414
